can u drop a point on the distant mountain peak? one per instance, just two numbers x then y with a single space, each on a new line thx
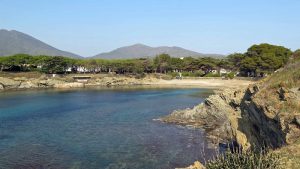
14 42
140 50
139 44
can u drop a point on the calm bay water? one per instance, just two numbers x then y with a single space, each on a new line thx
97 128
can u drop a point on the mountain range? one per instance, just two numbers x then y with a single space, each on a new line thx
140 50
14 42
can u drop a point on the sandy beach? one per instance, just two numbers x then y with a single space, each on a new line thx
203 83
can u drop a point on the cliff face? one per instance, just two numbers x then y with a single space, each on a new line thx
264 114
245 116
269 119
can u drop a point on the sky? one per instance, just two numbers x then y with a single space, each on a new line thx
89 27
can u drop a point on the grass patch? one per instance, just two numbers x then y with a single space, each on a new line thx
245 160
21 74
288 77
290 156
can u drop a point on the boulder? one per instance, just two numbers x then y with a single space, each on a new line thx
27 85
1 87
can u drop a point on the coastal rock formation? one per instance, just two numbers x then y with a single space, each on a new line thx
7 83
264 115
217 115
27 85
68 82
253 117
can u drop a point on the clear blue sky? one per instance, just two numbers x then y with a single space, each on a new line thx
89 27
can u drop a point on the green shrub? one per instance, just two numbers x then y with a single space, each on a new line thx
199 73
173 74
230 75
187 74
244 160
212 75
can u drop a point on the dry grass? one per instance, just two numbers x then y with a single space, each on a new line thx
21 74
290 156
288 77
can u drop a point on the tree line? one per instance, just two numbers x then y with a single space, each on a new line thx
258 60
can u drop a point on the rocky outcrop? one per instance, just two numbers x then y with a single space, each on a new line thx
7 83
217 115
68 82
25 83
252 117
50 83
119 81
270 116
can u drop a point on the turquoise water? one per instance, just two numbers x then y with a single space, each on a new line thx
97 128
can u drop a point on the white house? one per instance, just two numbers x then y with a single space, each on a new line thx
214 71
82 69
224 71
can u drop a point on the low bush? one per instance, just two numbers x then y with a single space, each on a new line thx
173 74
230 75
212 75
244 160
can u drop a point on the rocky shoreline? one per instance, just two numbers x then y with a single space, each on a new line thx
245 117
264 115
64 83
8 82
